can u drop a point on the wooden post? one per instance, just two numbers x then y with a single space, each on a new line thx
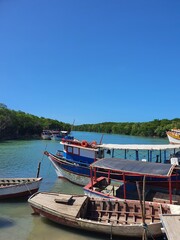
137 155
142 204
39 166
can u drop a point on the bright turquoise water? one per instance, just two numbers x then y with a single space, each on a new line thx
20 159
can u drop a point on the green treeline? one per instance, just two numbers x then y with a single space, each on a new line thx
156 128
18 125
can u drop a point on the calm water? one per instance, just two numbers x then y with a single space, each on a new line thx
20 159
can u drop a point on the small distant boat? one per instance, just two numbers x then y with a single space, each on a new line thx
55 135
124 218
174 136
46 135
59 135
18 187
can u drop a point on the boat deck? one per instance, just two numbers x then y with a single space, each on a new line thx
58 202
15 181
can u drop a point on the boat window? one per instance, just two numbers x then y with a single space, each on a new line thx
76 150
70 149
108 151
100 154
177 154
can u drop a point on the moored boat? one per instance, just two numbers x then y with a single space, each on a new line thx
174 136
46 135
73 162
59 135
18 187
116 217
122 175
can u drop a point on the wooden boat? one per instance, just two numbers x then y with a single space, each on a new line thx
168 222
115 217
162 180
174 136
18 187
73 162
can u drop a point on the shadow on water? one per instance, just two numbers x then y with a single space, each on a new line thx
4 223
14 200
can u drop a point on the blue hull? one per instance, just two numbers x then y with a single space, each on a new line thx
82 169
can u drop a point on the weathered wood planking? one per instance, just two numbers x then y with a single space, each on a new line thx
171 224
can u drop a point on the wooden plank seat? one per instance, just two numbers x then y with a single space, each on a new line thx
121 212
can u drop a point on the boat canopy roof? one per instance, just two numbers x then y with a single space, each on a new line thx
135 167
140 146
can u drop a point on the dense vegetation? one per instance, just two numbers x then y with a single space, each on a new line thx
17 124
156 128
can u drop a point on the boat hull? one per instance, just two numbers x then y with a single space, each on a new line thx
133 231
80 174
107 217
71 171
173 140
22 189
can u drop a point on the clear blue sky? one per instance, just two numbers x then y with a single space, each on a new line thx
91 61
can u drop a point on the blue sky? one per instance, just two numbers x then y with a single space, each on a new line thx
91 61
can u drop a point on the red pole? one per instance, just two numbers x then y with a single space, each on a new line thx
124 186
170 190
108 176
91 176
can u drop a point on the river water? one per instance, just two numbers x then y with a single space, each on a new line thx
20 159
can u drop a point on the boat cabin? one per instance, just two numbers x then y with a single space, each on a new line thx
81 151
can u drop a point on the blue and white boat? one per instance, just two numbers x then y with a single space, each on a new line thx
73 162
59 135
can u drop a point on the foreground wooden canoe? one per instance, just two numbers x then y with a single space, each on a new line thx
18 187
115 217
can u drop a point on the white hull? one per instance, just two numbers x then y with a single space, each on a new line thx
77 179
18 188
134 230
56 138
173 140
72 177
46 137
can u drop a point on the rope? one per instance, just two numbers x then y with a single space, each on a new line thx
147 229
